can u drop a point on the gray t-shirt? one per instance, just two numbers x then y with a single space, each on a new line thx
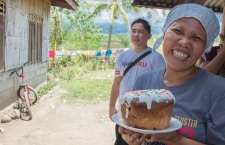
153 61
199 105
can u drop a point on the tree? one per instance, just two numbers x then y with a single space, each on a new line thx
72 30
85 34
117 8
159 13
56 20
56 35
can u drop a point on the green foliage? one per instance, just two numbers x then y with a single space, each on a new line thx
56 32
86 32
217 41
69 67
18 105
125 41
47 87
73 31
117 41
70 30
116 8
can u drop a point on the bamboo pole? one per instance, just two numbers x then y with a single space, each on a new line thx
223 21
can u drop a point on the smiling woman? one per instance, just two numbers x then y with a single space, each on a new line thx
193 39
189 30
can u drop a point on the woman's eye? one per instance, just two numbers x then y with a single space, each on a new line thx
177 31
196 38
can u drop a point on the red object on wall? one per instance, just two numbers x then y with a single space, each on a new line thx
51 53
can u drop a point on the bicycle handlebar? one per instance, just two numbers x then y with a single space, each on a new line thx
25 64
16 71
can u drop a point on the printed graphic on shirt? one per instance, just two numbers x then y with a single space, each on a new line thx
140 63
187 130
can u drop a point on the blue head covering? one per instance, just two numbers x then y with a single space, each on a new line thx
205 16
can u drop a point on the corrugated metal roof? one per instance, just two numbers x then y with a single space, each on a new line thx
215 5
68 4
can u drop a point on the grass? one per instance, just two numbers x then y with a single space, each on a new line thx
93 86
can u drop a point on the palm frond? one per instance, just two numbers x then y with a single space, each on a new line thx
123 13
113 12
128 6
99 9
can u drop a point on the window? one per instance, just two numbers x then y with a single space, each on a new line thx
35 38
2 35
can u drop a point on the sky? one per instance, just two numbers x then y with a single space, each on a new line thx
105 16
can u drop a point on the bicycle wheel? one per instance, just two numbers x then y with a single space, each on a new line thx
32 93
28 105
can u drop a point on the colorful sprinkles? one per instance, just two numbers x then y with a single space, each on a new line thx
147 96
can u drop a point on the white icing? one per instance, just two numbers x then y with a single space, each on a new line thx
147 96
127 112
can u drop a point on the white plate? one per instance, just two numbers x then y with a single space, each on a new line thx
174 125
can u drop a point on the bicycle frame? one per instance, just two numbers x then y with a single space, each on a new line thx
25 97
22 84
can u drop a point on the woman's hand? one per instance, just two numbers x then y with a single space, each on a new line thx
165 137
132 138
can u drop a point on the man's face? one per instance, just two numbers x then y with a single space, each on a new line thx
139 35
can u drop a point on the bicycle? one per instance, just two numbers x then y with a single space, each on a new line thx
26 93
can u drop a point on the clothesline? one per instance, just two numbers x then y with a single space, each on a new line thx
109 52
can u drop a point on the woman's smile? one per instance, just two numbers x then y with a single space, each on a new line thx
180 55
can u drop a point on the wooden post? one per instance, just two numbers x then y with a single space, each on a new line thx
182 2
223 20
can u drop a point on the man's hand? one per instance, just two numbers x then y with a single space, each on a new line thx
112 111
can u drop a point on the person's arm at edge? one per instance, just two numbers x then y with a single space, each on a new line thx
214 65
114 95
173 138
180 140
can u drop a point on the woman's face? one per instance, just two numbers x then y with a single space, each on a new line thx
183 44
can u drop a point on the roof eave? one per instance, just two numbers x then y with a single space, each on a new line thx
68 4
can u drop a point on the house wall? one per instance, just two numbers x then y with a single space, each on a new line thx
16 47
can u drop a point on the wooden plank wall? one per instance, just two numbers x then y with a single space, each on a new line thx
16 46
2 35
17 30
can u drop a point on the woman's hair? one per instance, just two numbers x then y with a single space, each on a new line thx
203 14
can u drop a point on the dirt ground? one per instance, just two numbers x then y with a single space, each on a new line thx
56 122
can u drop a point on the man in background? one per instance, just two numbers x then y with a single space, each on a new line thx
140 34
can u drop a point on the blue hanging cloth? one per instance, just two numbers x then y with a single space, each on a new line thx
108 52
98 53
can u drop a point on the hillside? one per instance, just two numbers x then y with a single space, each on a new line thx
122 29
